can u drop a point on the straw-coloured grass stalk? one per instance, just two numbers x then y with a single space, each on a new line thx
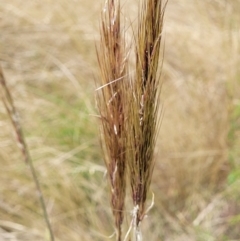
13 115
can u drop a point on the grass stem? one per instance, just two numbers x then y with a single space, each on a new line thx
13 115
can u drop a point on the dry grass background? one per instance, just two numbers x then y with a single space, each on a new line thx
47 50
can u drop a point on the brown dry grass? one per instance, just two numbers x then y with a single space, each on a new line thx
48 55
112 59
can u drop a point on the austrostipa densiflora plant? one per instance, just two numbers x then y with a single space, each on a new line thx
112 59
13 115
143 117
129 106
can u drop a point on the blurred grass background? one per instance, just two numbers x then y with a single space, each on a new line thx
47 50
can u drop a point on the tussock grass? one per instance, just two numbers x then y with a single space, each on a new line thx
201 101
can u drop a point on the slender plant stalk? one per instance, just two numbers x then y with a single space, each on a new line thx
112 59
13 115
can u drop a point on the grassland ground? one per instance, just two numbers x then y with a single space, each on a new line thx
47 51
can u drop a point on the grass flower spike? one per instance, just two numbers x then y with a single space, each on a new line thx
112 58
144 115
129 106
